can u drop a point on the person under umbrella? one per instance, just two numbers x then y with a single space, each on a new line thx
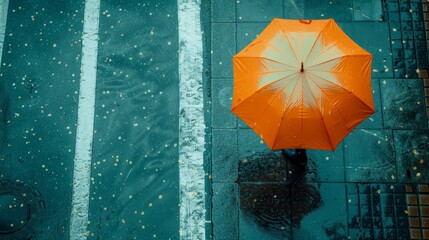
297 156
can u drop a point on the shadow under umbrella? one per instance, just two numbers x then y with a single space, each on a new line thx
274 200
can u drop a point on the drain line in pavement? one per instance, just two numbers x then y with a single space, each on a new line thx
85 122
191 121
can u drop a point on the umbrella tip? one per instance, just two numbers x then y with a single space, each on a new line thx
302 67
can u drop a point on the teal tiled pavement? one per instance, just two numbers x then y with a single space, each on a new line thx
221 103
370 156
403 103
258 11
412 149
223 49
362 189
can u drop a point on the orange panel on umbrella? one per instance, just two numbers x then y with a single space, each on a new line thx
302 84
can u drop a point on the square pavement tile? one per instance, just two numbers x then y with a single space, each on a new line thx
377 43
392 6
403 103
223 10
367 10
375 120
263 167
221 103
247 32
257 163
223 48
377 211
242 124
412 153
325 217
224 155
250 143
259 10
294 9
309 211
327 166
340 10
370 156
265 211
225 211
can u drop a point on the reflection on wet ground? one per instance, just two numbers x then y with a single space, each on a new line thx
277 207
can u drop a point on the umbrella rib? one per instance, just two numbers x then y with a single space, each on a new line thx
321 116
281 29
312 94
336 73
269 43
333 105
347 74
317 38
261 73
320 111
321 90
335 58
330 46
262 89
269 104
284 113
266 65
345 89
269 59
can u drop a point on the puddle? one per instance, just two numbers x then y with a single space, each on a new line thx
14 213
278 207
22 211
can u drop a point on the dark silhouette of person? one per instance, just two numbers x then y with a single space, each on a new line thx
278 208
297 156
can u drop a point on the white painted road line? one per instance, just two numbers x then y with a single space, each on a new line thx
85 122
4 4
191 121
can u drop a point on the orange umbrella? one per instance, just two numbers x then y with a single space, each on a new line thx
302 84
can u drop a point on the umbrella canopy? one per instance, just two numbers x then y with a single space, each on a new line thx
302 84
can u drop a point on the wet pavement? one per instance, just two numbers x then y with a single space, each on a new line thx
38 120
374 185
134 171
